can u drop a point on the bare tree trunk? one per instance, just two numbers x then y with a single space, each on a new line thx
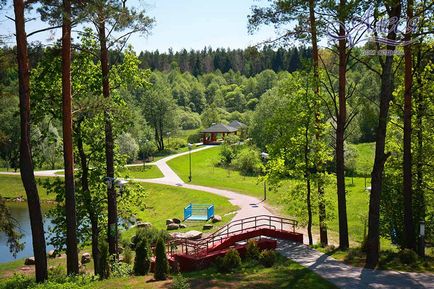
340 133
315 56
68 153
26 162
409 231
308 186
112 231
89 205
373 240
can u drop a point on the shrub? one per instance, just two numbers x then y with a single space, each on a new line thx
18 281
268 258
119 269
408 256
218 263
180 282
161 264
176 143
104 257
247 161
231 260
252 250
142 261
194 138
128 255
189 120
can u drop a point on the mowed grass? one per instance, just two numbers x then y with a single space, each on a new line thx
205 172
365 158
141 172
11 186
167 202
284 274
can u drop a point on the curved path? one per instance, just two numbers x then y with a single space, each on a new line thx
340 274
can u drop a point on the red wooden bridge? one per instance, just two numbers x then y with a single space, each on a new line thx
196 254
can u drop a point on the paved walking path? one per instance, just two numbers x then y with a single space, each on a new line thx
349 277
342 275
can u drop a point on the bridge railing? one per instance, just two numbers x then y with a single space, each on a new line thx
236 227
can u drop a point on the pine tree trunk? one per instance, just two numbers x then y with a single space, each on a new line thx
315 56
308 185
112 232
340 134
68 153
26 162
373 240
409 231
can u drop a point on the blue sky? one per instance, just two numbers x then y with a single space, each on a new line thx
190 24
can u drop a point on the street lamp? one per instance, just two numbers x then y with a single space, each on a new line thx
264 157
422 238
168 138
189 154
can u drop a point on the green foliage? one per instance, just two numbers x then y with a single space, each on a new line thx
408 257
188 120
127 254
175 143
120 269
9 227
142 260
248 161
194 138
104 261
161 263
231 261
18 281
268 258
252 250
128 146
180 282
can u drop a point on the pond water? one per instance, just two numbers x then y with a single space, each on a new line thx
20 212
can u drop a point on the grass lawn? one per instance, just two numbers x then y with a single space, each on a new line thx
141 172
135 172
284 274
12 187
166 202
389 259
205 172
365 157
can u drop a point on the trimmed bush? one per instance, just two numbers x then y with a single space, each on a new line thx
231 260
161 264
252 250
268 258
408 257
142 261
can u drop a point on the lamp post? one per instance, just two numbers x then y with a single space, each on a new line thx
189 154
264 157
113 228
422 238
